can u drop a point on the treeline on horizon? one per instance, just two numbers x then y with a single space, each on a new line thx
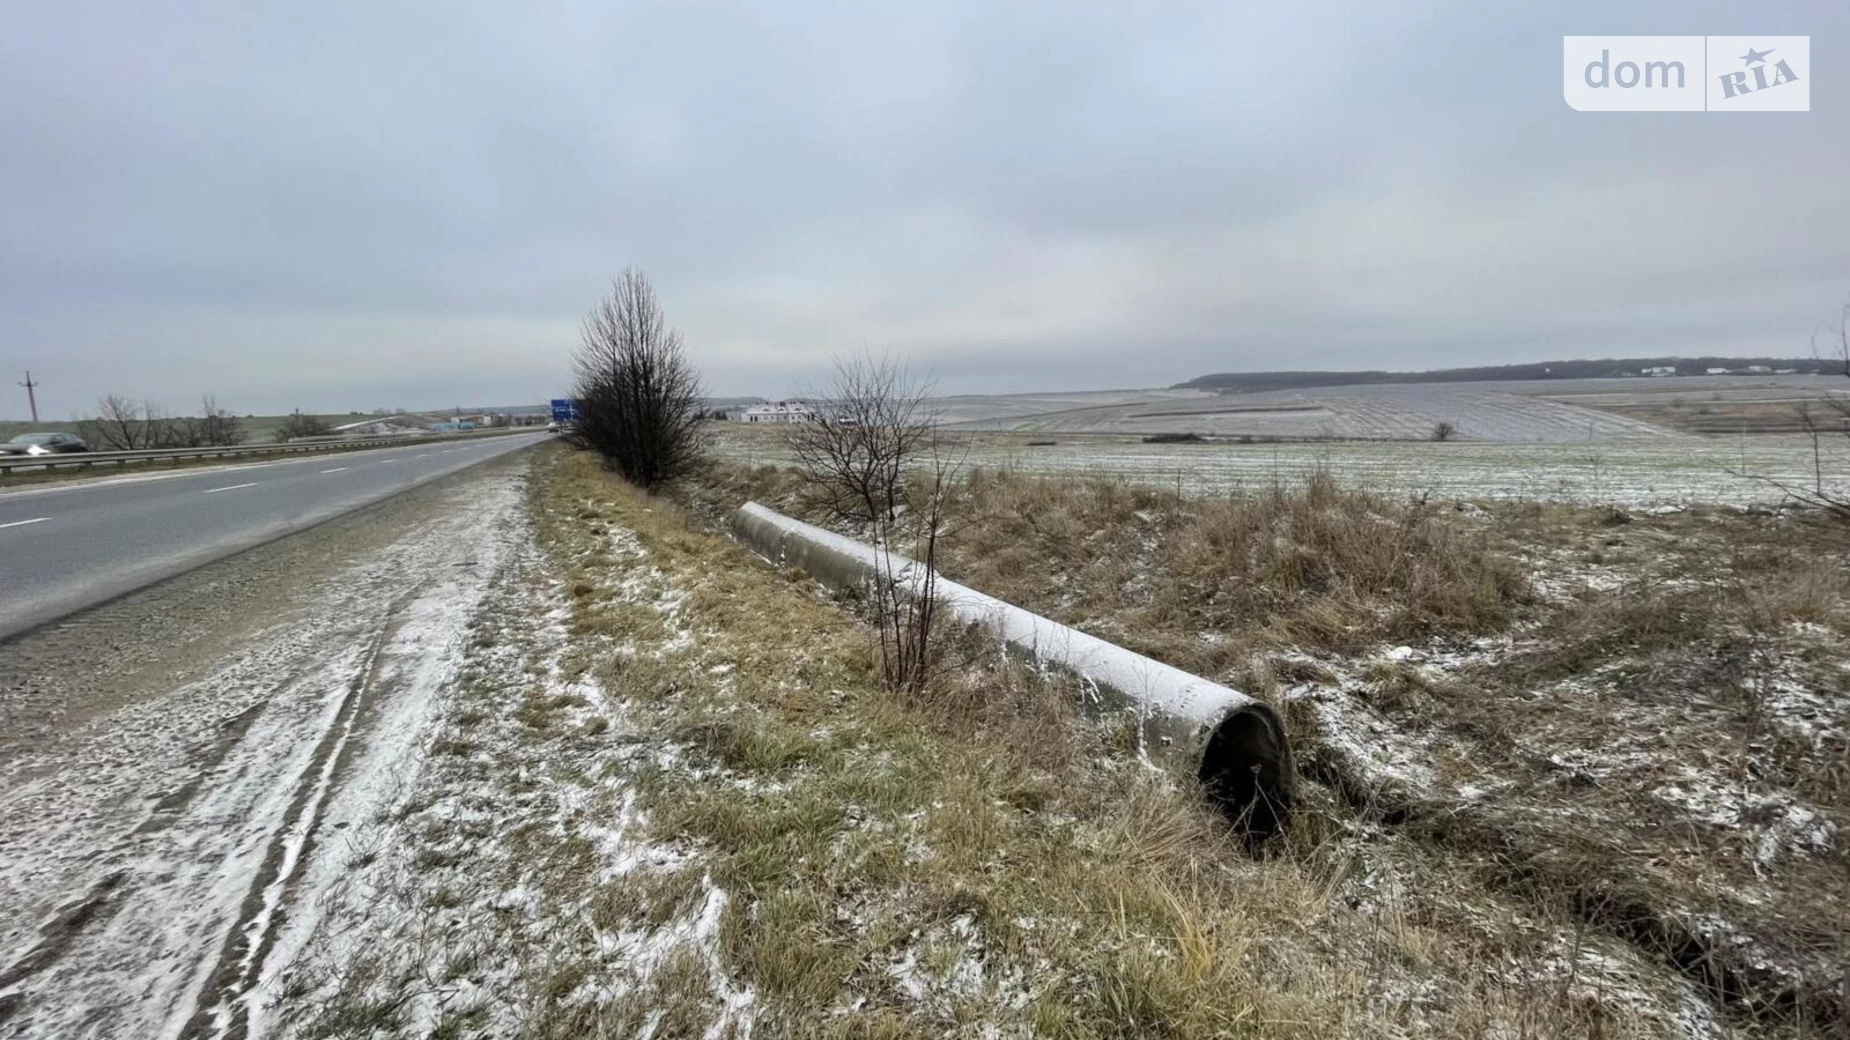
1580 369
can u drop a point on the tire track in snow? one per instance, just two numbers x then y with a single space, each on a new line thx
132 966
221 1009
168 869
95 905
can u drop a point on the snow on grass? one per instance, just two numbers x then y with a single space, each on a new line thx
1701 820
1636 473
512 887
1390 750
1648 473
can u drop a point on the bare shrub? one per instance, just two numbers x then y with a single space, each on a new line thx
1836 354
1444 431
874 425
906 604
299 425
639 398
1830 345
1837 411
874 422
213 427
218 427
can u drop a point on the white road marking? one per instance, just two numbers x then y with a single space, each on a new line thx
22 523
337 469
233 487
384 461
426 455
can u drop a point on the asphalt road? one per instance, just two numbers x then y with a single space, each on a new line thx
67 547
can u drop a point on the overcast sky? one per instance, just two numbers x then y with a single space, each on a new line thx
373 204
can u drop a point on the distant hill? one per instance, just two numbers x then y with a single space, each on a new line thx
1605 368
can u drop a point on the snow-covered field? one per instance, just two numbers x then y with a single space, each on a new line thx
1664 471
1358 412
1566 411
1689 389
992 408
1680 471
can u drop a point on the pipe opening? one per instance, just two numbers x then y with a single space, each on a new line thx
1247 772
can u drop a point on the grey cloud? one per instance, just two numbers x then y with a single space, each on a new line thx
352 205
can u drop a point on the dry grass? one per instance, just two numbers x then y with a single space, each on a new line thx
1310 564
1205 583
1595 719
978 859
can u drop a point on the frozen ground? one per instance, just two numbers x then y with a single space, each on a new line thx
1357 412
386 808
153 851
1631 723
507 888
1684 470
1565 411
1700 792
1656 471
1692 389
1003 408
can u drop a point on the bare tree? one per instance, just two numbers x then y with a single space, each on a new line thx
120 425
125 425
871 425
639 398
1444 431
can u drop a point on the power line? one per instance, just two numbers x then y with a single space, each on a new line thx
31 398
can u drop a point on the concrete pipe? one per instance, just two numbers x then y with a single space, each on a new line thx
1233 744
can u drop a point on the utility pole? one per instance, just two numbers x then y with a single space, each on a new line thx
31 398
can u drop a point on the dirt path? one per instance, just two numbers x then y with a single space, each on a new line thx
170 765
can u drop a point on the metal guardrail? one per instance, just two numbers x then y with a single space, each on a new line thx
82 459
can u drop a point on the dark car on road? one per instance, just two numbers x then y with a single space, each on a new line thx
43 444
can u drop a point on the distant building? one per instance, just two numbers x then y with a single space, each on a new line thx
1661 370
1759 370
1714 371
778 412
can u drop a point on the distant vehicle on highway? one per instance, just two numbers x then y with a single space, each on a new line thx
43 444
